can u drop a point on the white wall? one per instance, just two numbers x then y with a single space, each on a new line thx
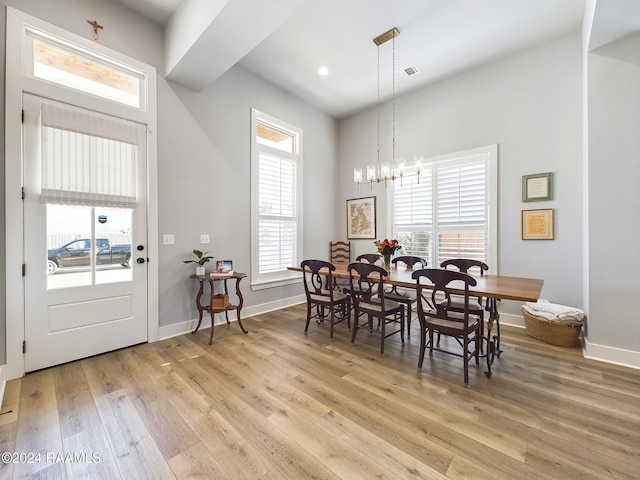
530 105
204 181
614 169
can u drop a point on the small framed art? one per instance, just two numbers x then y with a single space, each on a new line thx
537 187
537 224
224 266
361 218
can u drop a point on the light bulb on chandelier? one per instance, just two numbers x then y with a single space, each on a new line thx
383 171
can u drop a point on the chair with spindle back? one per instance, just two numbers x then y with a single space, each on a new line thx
340 251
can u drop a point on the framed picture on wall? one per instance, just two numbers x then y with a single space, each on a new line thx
361 218
537 187
537 224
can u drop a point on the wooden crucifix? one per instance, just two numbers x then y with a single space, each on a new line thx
95 26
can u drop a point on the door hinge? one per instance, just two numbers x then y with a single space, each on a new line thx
23 115
22 193
24 346
24 269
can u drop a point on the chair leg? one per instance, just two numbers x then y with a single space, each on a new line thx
355 325
431 342
332 320
382 334
481 329
408 320
306 326
478 342
423 346
465 359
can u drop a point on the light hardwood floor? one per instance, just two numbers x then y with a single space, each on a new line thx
275 404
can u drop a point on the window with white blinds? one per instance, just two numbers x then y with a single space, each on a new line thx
88 158
276 200
447 211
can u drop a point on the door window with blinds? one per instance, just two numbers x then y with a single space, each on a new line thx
449 210
89 187
276 200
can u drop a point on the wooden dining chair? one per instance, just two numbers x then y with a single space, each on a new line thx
405 296
327 302
374 258
340 251
457 303
370 302
463 326
371 258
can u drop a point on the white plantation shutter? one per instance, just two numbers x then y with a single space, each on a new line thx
461 209
447 214
277 203
413 215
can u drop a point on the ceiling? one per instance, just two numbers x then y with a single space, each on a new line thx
440 37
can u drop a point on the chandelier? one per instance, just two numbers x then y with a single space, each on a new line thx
388 170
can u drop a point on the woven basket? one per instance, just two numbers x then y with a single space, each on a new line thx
554 333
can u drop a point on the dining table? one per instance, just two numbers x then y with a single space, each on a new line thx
493 288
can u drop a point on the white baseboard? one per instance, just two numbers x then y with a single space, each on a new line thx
176 329
602 353
510 319
3 381
617 356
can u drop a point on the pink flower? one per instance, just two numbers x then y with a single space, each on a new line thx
387 247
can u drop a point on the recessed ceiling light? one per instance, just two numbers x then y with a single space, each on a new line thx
323 71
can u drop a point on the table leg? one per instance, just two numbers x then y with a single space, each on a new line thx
211 310
493 343
226 312
240 301
199 306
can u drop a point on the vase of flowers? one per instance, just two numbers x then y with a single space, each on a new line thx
387 248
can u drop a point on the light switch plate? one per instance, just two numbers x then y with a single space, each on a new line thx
204 239
168 239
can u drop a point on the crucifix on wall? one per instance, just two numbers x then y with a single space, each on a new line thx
95 26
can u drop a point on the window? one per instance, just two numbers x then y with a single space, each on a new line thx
276 197
64 64
449 211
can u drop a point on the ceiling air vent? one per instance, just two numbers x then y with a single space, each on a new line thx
412 70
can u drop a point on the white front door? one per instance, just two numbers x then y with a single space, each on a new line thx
85 233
